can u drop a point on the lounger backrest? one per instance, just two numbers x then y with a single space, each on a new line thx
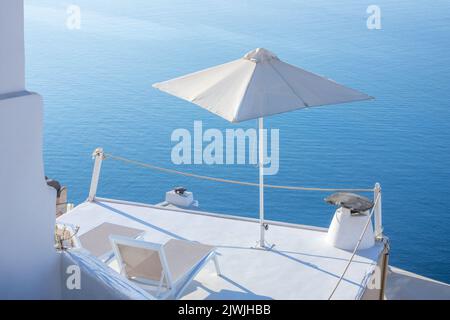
97 240
141 260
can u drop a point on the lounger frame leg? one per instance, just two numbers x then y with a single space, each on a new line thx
216 264
199 268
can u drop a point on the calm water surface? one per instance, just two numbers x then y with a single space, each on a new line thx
96 82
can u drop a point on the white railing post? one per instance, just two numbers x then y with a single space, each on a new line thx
378 212
98 156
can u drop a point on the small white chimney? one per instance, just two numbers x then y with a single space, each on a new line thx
349 221
346 228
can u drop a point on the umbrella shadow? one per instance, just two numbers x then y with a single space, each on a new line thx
227 294
143 222
288 255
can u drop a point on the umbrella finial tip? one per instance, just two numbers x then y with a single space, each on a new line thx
259 55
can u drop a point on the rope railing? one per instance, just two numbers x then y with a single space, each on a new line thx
349 262
99 155
237 182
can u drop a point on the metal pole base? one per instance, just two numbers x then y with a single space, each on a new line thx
264 245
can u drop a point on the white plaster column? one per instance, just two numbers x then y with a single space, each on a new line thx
29 265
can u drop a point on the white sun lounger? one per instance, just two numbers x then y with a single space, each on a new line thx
164 270
96 240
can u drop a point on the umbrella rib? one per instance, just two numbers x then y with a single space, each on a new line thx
245 93
287 83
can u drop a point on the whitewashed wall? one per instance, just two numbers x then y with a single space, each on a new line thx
11 46
29 265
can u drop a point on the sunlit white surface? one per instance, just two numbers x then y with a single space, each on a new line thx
301 265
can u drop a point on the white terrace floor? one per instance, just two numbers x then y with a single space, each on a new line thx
300 266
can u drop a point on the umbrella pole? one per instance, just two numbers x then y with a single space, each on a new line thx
261 180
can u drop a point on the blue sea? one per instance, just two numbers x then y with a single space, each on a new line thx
96 83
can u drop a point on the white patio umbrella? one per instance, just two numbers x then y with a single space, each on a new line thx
255 86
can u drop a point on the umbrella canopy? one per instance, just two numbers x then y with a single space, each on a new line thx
257 85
